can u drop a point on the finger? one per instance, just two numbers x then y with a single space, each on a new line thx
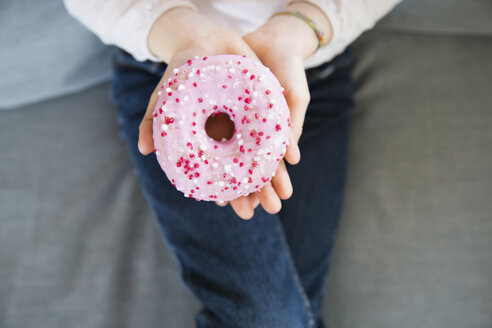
145 140
242 207
292 77
253 200
269 199
281 182
292 154
297 97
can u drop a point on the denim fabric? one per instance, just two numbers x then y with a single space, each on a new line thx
270 271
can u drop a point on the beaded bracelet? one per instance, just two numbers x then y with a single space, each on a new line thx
309 21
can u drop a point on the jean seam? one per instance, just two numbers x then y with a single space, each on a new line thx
307 304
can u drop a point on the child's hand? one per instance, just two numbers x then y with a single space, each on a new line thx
282 44
181 34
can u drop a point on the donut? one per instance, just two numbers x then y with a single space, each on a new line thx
237 88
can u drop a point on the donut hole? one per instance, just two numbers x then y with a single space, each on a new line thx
219 127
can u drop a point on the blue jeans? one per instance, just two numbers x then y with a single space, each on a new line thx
270 271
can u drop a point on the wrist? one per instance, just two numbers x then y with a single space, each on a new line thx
293 33
180 28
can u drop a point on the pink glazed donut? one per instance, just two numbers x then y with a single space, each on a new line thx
200 166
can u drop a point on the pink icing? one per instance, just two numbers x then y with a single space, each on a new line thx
250 94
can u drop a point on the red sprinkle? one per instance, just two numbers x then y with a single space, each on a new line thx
194 84
200 100
189 62
278 127
252 77
245 71
205 58
267 92
236 160
247 100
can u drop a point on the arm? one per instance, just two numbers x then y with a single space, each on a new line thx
282 44
125 23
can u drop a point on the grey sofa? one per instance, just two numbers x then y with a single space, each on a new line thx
78 246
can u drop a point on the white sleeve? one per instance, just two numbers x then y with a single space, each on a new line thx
349 18
124 23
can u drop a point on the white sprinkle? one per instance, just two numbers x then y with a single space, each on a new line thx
245 180
203 157
185 99
221 183
170 158
256 158
220 202
164 127
164 108
212 101
157 152
215 165
196 57
223 140
168 90
181 87
260 152
261 77
231 70
272 101
240 142
186 195
159 93
227 168
169 79
190 75
239 135
176 70
282 89
195 181
255 94
203 147
205 95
